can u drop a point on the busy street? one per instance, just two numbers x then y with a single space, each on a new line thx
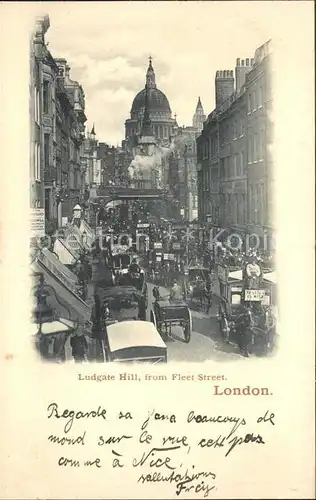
161 248
153 276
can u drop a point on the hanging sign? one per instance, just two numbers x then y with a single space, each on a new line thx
37 222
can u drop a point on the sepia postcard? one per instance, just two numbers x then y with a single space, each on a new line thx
157 250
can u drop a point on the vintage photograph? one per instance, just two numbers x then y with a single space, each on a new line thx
151 191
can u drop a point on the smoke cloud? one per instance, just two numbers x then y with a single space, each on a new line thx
150 167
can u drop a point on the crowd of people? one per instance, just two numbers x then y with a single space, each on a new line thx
169 272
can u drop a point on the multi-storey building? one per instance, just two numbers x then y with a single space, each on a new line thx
259 140
234 167
93 173
72 100
185 146
182 165
37 55
57 132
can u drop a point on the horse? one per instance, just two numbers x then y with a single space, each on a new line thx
203 295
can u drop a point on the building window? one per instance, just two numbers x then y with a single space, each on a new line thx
242 166
260 97
238 168
234 166
37 162
260 146
258 194
45 96
47 204
241 128
228 167
249 103
46 150
36 106
255 147
261 204
250 139
235 130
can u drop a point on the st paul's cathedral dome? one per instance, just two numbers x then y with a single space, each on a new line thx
158 107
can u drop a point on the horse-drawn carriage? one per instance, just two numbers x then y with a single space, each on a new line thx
121 258
122 261
116 304
197 284
166 315
123 303
238 302
134 341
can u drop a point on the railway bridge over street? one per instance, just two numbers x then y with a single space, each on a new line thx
101 197
111 193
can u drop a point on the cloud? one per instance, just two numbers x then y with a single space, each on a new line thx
107 47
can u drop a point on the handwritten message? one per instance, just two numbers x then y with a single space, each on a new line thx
151 446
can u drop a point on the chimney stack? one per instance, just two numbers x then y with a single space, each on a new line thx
242 68
224 85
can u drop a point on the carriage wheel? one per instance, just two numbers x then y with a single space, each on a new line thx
188 328
224 329
153 318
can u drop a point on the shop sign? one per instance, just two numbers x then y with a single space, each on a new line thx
157 245
254 295
265 300
176 246
72 243
169 256
37 222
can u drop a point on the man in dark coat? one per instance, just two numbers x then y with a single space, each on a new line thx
244 323
79 346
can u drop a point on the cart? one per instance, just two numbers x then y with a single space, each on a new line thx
166 315
195 280
234 295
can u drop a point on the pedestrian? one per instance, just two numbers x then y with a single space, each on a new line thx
208 293
244 323
156 293
79 346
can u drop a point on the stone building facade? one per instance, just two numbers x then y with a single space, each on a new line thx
57 105
185 152
37 55
183 164
234 163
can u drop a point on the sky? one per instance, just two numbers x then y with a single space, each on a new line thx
107 47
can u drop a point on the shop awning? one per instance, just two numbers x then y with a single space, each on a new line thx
61 325
65 255
58 269
85 228
236 275
271 277
65 299
73 238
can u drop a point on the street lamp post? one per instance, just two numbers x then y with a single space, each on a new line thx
186 190
77 210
